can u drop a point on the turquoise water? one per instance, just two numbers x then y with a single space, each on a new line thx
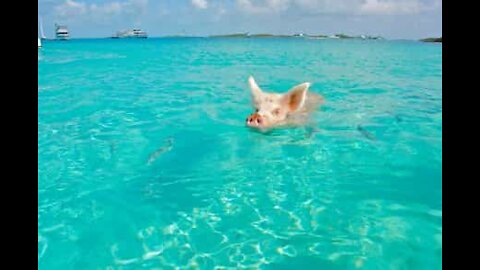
144 160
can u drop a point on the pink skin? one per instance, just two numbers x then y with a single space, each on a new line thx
274 109
254 120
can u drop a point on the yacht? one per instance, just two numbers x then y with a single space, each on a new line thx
61 32
134 33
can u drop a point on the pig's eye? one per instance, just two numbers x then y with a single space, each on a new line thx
276 112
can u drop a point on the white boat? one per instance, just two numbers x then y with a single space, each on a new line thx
134 33
39 43
61 32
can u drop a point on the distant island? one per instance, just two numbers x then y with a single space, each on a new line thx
301 35
137 33
432 39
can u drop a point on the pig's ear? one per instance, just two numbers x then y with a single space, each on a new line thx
256 91
295 97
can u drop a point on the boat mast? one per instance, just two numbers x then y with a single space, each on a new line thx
42 35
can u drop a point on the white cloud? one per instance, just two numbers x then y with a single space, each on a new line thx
200 4
221 11
109 9
328 6
265 7
352 7
71 9
390 7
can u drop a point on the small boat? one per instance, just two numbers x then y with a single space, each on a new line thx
61 32
134 33
39 43
299 35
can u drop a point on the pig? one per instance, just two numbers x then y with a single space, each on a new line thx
276 110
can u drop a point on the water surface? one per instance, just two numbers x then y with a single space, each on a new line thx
144 159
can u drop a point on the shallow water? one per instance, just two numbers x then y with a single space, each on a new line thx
144 159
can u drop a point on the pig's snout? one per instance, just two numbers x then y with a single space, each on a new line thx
254 120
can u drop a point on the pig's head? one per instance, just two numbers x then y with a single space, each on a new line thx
272 109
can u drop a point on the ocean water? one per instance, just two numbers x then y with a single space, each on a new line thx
144 160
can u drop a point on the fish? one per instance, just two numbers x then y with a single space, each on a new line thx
165 148
367 134
112 148
398 118
310 131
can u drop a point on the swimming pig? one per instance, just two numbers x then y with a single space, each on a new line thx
275 109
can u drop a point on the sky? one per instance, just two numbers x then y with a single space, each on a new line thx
392 19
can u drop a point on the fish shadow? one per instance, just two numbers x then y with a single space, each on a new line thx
365 133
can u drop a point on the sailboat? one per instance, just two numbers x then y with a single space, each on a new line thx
42 35
41 30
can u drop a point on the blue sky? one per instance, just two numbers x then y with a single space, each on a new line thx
402 19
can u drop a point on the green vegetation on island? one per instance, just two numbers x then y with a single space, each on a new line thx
318 36
343 36
431 39
267 35
237 35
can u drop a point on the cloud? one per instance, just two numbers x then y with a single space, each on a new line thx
390 7
266 6
328 6
345 7
200 4
71 9
110 9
